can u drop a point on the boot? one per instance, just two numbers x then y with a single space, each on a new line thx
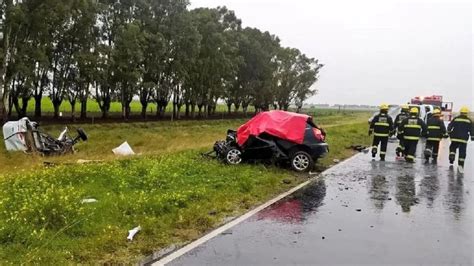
451 158
374 152
382 157
461 169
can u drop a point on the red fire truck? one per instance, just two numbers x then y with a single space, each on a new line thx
436 101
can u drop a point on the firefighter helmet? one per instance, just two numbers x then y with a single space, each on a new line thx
384 107
436 112
405 107
464 110
414 110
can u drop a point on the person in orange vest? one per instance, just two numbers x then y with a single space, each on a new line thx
436 131
412 128
460 128
382 127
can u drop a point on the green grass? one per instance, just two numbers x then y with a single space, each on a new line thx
171 197
136 108
93 108
170 191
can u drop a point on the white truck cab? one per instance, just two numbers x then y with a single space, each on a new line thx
425 110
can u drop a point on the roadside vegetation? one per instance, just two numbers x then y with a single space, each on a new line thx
173 193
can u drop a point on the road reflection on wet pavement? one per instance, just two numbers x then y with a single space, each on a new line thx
362 212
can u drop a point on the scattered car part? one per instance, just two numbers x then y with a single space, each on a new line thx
133 232
124 150
25 135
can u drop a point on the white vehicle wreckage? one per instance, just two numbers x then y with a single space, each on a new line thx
25 135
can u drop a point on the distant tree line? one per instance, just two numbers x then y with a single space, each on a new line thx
156 50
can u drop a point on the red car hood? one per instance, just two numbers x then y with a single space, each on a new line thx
285 125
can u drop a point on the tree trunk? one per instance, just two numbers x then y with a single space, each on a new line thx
128 110
186 112
24 105
84 108
193 110
236 107
4 86
106 107
158 109
73 110
16 104
200 110
56 105
38 99
144 107
244 109
178 111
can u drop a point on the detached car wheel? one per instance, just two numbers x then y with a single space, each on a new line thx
233 156
301 161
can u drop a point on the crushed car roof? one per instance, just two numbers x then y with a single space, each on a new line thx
285 125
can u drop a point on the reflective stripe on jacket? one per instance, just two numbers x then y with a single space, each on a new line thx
381 125
436 129
460 128
413 128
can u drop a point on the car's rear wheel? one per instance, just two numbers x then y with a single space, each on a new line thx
233 156
301 161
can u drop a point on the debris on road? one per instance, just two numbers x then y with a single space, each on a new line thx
123 150
133 232
359 148
359 210
336 161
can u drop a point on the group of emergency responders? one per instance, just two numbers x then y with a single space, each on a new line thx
409 128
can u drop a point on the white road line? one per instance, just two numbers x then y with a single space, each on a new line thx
178 253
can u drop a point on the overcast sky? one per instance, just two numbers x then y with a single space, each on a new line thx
374 51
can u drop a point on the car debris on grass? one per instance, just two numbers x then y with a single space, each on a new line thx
25 135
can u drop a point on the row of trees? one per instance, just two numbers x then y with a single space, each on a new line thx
156 50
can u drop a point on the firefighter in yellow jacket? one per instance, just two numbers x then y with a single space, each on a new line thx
412 129
460 128
382 127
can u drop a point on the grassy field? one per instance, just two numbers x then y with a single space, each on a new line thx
136 108
94 110
169 190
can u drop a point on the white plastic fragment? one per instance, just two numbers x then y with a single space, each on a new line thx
133 232
82 161
88 200
123 150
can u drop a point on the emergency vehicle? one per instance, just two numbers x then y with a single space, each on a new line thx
436 101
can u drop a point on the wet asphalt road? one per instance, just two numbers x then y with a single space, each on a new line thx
362 212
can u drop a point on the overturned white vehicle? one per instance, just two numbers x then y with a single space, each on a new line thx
24 135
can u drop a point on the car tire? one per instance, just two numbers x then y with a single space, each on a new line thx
233 156
301 161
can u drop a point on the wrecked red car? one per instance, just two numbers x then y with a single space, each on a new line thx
275 136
